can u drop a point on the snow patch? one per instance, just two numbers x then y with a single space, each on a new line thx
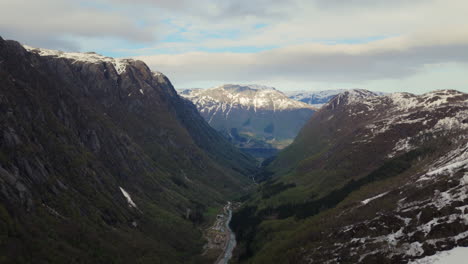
366 201
454 256
402 146
120 65
128 197
457 160
415 249
453 123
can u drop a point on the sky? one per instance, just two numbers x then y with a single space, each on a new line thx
392 46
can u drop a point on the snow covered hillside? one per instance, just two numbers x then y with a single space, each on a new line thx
251 116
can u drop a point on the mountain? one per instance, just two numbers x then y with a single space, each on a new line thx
256 118
102 162
314 98
317 98
369 179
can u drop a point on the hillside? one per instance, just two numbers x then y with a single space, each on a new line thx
255 118
102 162
368 179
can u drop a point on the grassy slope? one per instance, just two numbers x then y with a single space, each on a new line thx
277 232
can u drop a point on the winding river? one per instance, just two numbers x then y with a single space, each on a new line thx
231 244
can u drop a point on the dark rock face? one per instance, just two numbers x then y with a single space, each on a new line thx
76 132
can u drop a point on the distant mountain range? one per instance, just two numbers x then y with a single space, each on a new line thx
317 98
258 119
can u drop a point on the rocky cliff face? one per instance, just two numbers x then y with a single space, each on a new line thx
368 179
252 117
101 160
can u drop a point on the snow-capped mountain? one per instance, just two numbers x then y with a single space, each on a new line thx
427 135
317 98
249 97
369 179
314 98
252 116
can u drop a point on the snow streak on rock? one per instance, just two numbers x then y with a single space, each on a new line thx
120 65
128 197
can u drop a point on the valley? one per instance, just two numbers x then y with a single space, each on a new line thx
96 149
221 241
231 237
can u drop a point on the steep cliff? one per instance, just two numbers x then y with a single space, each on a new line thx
102 161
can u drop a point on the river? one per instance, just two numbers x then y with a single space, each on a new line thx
231 243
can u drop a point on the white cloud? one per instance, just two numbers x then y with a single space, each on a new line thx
308 36
215 9
396 57
52 22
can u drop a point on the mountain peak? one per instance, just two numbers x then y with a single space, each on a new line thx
428 100
358 94
233 88
246 87
351 97
261 87
254 97
322 97
120 65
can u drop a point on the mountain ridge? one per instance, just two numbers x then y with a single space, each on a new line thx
368 179
230 94
320 97
92 152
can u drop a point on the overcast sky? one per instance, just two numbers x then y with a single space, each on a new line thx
400 45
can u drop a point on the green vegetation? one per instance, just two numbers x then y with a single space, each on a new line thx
274 226
270 189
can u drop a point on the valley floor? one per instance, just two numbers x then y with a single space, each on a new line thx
221 239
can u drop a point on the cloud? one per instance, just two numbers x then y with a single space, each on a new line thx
309 22
396 57
53 22
299 40
220 10
345 4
